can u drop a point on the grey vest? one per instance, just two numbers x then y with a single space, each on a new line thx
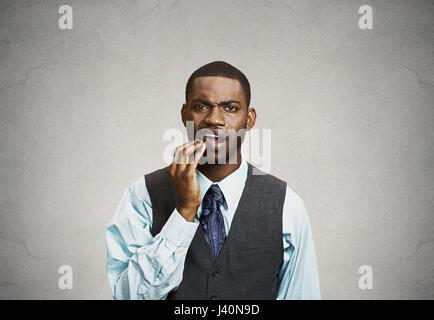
248 264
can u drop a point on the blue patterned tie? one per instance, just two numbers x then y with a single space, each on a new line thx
211 219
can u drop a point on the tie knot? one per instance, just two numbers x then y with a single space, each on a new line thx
215 193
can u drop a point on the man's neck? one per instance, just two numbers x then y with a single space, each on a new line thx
217 172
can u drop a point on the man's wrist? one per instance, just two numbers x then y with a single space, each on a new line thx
189 213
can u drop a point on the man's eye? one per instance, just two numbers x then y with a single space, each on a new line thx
231 108
200 107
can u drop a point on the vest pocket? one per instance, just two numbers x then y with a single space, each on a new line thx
252 249
257 257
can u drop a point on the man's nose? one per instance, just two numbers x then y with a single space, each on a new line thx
215 117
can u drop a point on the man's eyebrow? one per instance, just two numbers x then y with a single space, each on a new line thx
220 104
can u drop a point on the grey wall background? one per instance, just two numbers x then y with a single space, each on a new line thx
83 113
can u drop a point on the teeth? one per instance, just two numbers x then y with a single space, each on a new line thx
211 135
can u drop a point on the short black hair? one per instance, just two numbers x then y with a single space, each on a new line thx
220 69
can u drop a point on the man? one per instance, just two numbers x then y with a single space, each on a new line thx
213 230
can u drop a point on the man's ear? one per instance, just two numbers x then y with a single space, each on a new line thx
251 118
184 113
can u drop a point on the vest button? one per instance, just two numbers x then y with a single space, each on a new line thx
213 297
215 274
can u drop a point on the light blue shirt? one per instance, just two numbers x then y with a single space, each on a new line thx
140 266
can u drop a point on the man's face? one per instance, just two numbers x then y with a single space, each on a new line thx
218 104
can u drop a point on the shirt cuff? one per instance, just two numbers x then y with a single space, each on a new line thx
179 231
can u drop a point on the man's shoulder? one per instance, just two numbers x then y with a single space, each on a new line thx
156 172
137 189
291 195
139 186
156 177
151 179
265 177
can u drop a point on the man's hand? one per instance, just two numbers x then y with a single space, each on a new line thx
182 173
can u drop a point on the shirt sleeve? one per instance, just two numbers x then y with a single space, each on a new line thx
298 277
140 266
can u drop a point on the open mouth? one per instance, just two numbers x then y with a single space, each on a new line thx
214 140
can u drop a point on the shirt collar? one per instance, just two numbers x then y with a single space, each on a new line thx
232 186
